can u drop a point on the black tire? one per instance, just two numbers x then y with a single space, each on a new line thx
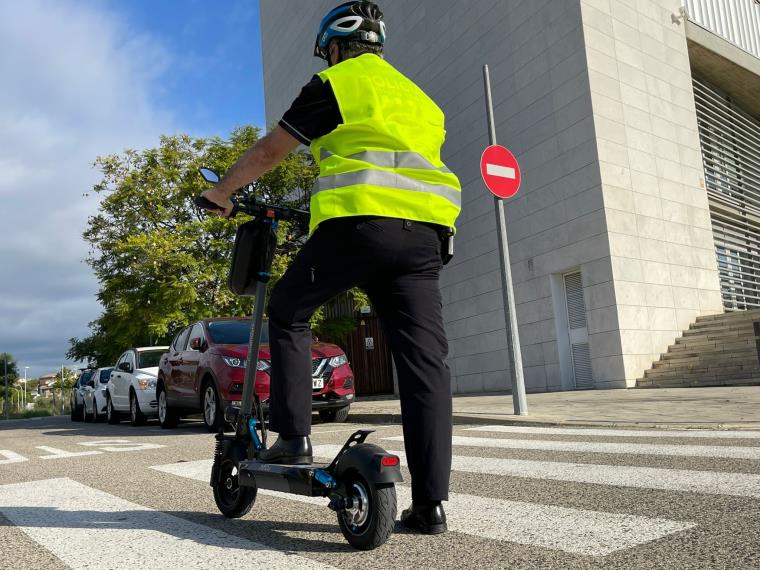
338 415
167 417
77 412
211 407
373 522
232 500
136 417
89 418
112 416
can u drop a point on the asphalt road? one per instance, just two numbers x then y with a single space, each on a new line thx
75 495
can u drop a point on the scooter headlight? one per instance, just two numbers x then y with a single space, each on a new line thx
336 361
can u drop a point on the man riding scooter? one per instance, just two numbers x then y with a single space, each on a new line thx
385 205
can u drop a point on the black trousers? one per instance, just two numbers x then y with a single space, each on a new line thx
397 262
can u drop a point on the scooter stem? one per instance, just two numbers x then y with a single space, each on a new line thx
254 342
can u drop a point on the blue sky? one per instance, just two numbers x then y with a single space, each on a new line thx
213 81
83 78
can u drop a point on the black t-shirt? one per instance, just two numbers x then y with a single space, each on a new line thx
314 113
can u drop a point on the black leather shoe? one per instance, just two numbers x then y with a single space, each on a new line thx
427 519
289 451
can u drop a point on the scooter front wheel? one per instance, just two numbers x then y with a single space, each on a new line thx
369 520
232 500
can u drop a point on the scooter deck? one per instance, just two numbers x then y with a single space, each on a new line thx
310 480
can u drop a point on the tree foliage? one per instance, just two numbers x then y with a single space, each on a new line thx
12 367
12 374
160 261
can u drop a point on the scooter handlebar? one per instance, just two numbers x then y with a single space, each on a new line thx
206 204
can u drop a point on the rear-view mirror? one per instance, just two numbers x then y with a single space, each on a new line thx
209 175
125 367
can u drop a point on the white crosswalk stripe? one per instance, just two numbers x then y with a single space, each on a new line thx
708 482
577 531
88 528
719 451
11 457
595 432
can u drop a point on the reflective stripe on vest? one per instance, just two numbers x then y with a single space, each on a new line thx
389 180
390 159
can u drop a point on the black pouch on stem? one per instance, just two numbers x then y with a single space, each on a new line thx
252 257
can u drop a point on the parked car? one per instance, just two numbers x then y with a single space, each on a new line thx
131 388
76 401
204 371
95 406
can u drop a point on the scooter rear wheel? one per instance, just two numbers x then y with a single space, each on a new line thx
370 521
232 500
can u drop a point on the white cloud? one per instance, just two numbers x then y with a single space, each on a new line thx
76 83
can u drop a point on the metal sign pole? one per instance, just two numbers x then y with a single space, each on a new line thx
7 409
513 337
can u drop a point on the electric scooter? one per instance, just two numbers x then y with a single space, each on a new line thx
360 480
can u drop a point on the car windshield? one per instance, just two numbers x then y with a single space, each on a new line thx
105 375
234 332
86 375
149 358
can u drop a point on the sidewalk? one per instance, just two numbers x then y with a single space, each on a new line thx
705 408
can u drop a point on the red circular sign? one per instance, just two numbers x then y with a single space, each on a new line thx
500 171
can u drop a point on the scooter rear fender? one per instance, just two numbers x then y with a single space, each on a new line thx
366 459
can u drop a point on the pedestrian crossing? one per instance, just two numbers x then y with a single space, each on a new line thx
75 512
88 528
720 451
575 531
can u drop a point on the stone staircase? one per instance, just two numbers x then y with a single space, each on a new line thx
717 350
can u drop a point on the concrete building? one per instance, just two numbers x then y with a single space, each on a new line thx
636 126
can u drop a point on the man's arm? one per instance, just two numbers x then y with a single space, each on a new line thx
257 160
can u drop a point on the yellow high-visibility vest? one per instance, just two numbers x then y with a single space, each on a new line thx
385 158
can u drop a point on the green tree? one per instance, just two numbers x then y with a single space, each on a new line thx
160 261
12 375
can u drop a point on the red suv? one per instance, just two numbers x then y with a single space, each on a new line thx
204 369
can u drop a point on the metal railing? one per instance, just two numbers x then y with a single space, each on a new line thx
737 21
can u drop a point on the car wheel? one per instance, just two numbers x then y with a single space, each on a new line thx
167 417
87 417
112 416
336 415
212 410
136 417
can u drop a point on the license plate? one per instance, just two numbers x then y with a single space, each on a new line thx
317 383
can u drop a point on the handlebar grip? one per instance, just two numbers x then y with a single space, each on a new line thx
206 204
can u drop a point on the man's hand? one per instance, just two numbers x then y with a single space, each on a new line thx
221 200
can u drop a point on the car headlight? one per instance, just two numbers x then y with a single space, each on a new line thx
146 383
234 362
263 365
336 361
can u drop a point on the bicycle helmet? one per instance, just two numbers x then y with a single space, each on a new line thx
357 20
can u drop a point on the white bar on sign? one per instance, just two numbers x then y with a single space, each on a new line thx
578 531
684 480
88 528
698 433
721 451
498 170
11 457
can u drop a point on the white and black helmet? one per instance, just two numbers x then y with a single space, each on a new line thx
358 20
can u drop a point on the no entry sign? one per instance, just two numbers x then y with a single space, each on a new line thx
500 171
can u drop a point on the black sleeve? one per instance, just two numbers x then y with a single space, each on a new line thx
314 113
